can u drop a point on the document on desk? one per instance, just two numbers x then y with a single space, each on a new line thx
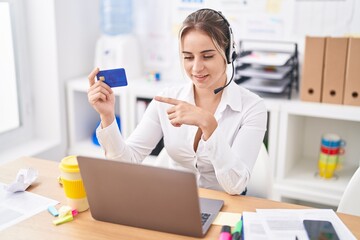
288 223
15 207
254 226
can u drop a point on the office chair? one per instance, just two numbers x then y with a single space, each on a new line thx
163 159
260 183
350 200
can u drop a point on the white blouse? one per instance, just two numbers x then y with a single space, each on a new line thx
223 162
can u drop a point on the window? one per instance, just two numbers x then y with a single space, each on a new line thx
15 119
9 106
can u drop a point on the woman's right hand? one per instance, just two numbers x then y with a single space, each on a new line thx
102 99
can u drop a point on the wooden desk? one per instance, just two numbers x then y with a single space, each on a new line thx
85 227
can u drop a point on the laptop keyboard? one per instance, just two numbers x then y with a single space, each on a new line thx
204 217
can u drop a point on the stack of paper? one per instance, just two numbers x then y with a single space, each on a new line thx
15 207
266 58
288 224
276 73
265 85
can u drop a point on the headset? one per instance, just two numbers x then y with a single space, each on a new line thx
230 52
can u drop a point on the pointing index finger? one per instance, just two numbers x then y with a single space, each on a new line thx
171 101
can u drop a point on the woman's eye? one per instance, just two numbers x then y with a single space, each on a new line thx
208 56
188 57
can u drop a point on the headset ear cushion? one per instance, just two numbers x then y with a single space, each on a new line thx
234 56
228 56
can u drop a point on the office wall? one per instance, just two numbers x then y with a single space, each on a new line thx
158 23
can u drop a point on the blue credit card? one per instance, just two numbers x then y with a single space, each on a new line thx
113 77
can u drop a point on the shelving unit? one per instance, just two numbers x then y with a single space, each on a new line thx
294 133
302 125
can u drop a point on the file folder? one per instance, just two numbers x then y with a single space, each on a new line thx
312 75
352 76
334 70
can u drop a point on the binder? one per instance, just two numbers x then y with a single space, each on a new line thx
334 70
312 75
352 76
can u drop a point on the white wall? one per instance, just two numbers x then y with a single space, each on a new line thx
76 25
290 20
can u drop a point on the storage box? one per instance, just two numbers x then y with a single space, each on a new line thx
334 70
352 76
312 74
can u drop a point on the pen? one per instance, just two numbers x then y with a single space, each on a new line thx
236 234
225 233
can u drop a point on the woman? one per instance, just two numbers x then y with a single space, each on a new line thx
217 136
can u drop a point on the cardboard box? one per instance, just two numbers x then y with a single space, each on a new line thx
334 70
312 71
352 76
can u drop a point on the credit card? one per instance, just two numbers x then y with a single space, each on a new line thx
113 77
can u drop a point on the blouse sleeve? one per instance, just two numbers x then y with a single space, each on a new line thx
139 144
233 163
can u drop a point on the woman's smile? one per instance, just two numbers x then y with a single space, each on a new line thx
200 78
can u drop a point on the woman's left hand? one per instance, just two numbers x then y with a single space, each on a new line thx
185 113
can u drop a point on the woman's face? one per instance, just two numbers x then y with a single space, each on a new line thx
203 63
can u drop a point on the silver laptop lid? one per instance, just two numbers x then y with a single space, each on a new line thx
144 196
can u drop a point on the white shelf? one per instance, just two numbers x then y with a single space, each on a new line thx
301 182
323 110
301 126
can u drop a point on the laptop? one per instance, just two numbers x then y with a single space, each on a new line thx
148 197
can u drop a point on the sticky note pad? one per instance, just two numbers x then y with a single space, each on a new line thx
64 219
227 218
113 77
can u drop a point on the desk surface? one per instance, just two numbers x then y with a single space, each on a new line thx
85 227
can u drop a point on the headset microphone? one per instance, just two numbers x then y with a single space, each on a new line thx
217 90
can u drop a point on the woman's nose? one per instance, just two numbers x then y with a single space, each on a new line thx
198 65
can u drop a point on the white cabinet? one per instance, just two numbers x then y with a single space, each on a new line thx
294 133
301 126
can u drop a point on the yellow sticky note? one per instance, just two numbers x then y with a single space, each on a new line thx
64 219
273 6
227 218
